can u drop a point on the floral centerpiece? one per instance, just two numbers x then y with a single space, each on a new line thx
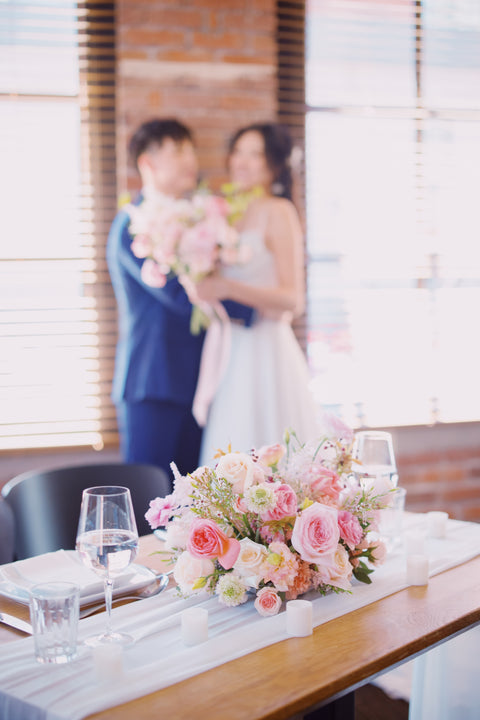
188 238
277 522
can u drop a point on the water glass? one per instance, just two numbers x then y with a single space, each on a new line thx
373 449
391 517
54 608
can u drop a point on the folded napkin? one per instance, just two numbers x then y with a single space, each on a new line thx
17 578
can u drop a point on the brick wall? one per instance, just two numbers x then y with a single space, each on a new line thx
212 65
440 468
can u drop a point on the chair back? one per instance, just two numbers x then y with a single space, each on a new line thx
46 503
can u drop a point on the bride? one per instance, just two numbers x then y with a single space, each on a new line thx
264 389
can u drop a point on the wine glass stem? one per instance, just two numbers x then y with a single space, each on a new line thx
108 604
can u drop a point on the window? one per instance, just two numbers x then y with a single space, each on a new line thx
57 182
392 177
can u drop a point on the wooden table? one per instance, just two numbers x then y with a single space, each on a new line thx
290 678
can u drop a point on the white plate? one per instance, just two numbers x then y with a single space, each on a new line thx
137 577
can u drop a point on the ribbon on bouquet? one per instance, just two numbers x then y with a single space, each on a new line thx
214 360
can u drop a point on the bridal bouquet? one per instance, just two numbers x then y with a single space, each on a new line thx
276 523
184 237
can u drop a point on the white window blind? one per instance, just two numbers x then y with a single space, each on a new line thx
57 183
393 176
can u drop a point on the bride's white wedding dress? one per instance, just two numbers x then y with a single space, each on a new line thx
264 389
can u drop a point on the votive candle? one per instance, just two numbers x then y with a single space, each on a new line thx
299 618
417 569
194 625
437 523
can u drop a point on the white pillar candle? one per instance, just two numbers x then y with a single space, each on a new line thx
108 662
417 569
299 618
194 625
414 542
437 523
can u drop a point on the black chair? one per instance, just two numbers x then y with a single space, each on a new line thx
46 503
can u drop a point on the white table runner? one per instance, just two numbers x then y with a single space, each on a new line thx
29 691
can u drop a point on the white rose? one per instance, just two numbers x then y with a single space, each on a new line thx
340 573
249 561
176 534
239 470
189 569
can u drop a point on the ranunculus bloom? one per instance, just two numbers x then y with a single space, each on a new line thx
207 540
350 529
160 511
271 454
267 602
189 569
315 533
239 470
286 503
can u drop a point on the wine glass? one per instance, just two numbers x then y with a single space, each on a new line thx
107 542
376 466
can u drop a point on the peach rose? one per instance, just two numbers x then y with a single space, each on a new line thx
315 533
270 455
239 470
249 561
286 503
267 602
189 569
207 540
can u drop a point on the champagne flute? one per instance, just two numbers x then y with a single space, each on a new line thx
107 542
373 449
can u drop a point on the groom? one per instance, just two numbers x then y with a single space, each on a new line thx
157 359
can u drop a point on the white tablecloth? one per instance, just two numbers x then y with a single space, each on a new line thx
29 691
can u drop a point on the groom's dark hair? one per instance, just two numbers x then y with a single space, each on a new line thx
154 132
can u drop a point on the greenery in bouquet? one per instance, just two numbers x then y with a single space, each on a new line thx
276 522
187 237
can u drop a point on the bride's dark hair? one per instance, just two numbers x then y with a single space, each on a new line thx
278 147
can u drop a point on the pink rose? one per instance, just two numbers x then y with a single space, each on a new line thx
315 533
160 511
378 552
286 503
267 602
350 529
151 274
323 483
206 540
271 454
141 246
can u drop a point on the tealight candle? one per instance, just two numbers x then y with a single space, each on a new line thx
194 625
417 569
414 542
108 662
437 523
299 618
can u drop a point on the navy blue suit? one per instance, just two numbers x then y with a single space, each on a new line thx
157 360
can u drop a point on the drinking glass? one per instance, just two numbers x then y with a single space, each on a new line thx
376 460
107 542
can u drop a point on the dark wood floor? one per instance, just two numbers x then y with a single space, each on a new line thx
371 703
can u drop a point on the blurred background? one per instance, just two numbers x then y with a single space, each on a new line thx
383 100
